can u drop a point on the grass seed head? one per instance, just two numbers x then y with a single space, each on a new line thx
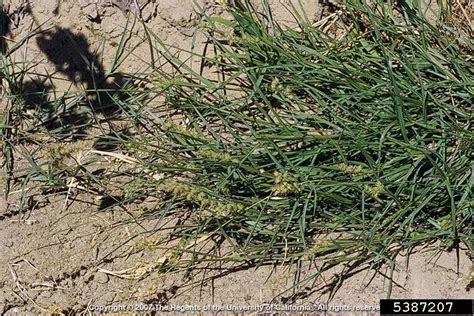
350 169
58 154
284 184
375 190
214 155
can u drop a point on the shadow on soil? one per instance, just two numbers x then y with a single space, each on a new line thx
73 59
4 29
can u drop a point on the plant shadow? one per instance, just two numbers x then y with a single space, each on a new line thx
96 90
4 29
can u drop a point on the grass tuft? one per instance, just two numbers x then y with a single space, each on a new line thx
360 136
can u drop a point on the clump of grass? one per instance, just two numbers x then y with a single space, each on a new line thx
375 122
366 135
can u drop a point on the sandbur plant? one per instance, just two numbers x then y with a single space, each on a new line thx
294 143
349 139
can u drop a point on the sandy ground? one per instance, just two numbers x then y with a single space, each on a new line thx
52 256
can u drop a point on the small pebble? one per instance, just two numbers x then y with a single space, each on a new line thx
101 278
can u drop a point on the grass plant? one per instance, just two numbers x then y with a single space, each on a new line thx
352 141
